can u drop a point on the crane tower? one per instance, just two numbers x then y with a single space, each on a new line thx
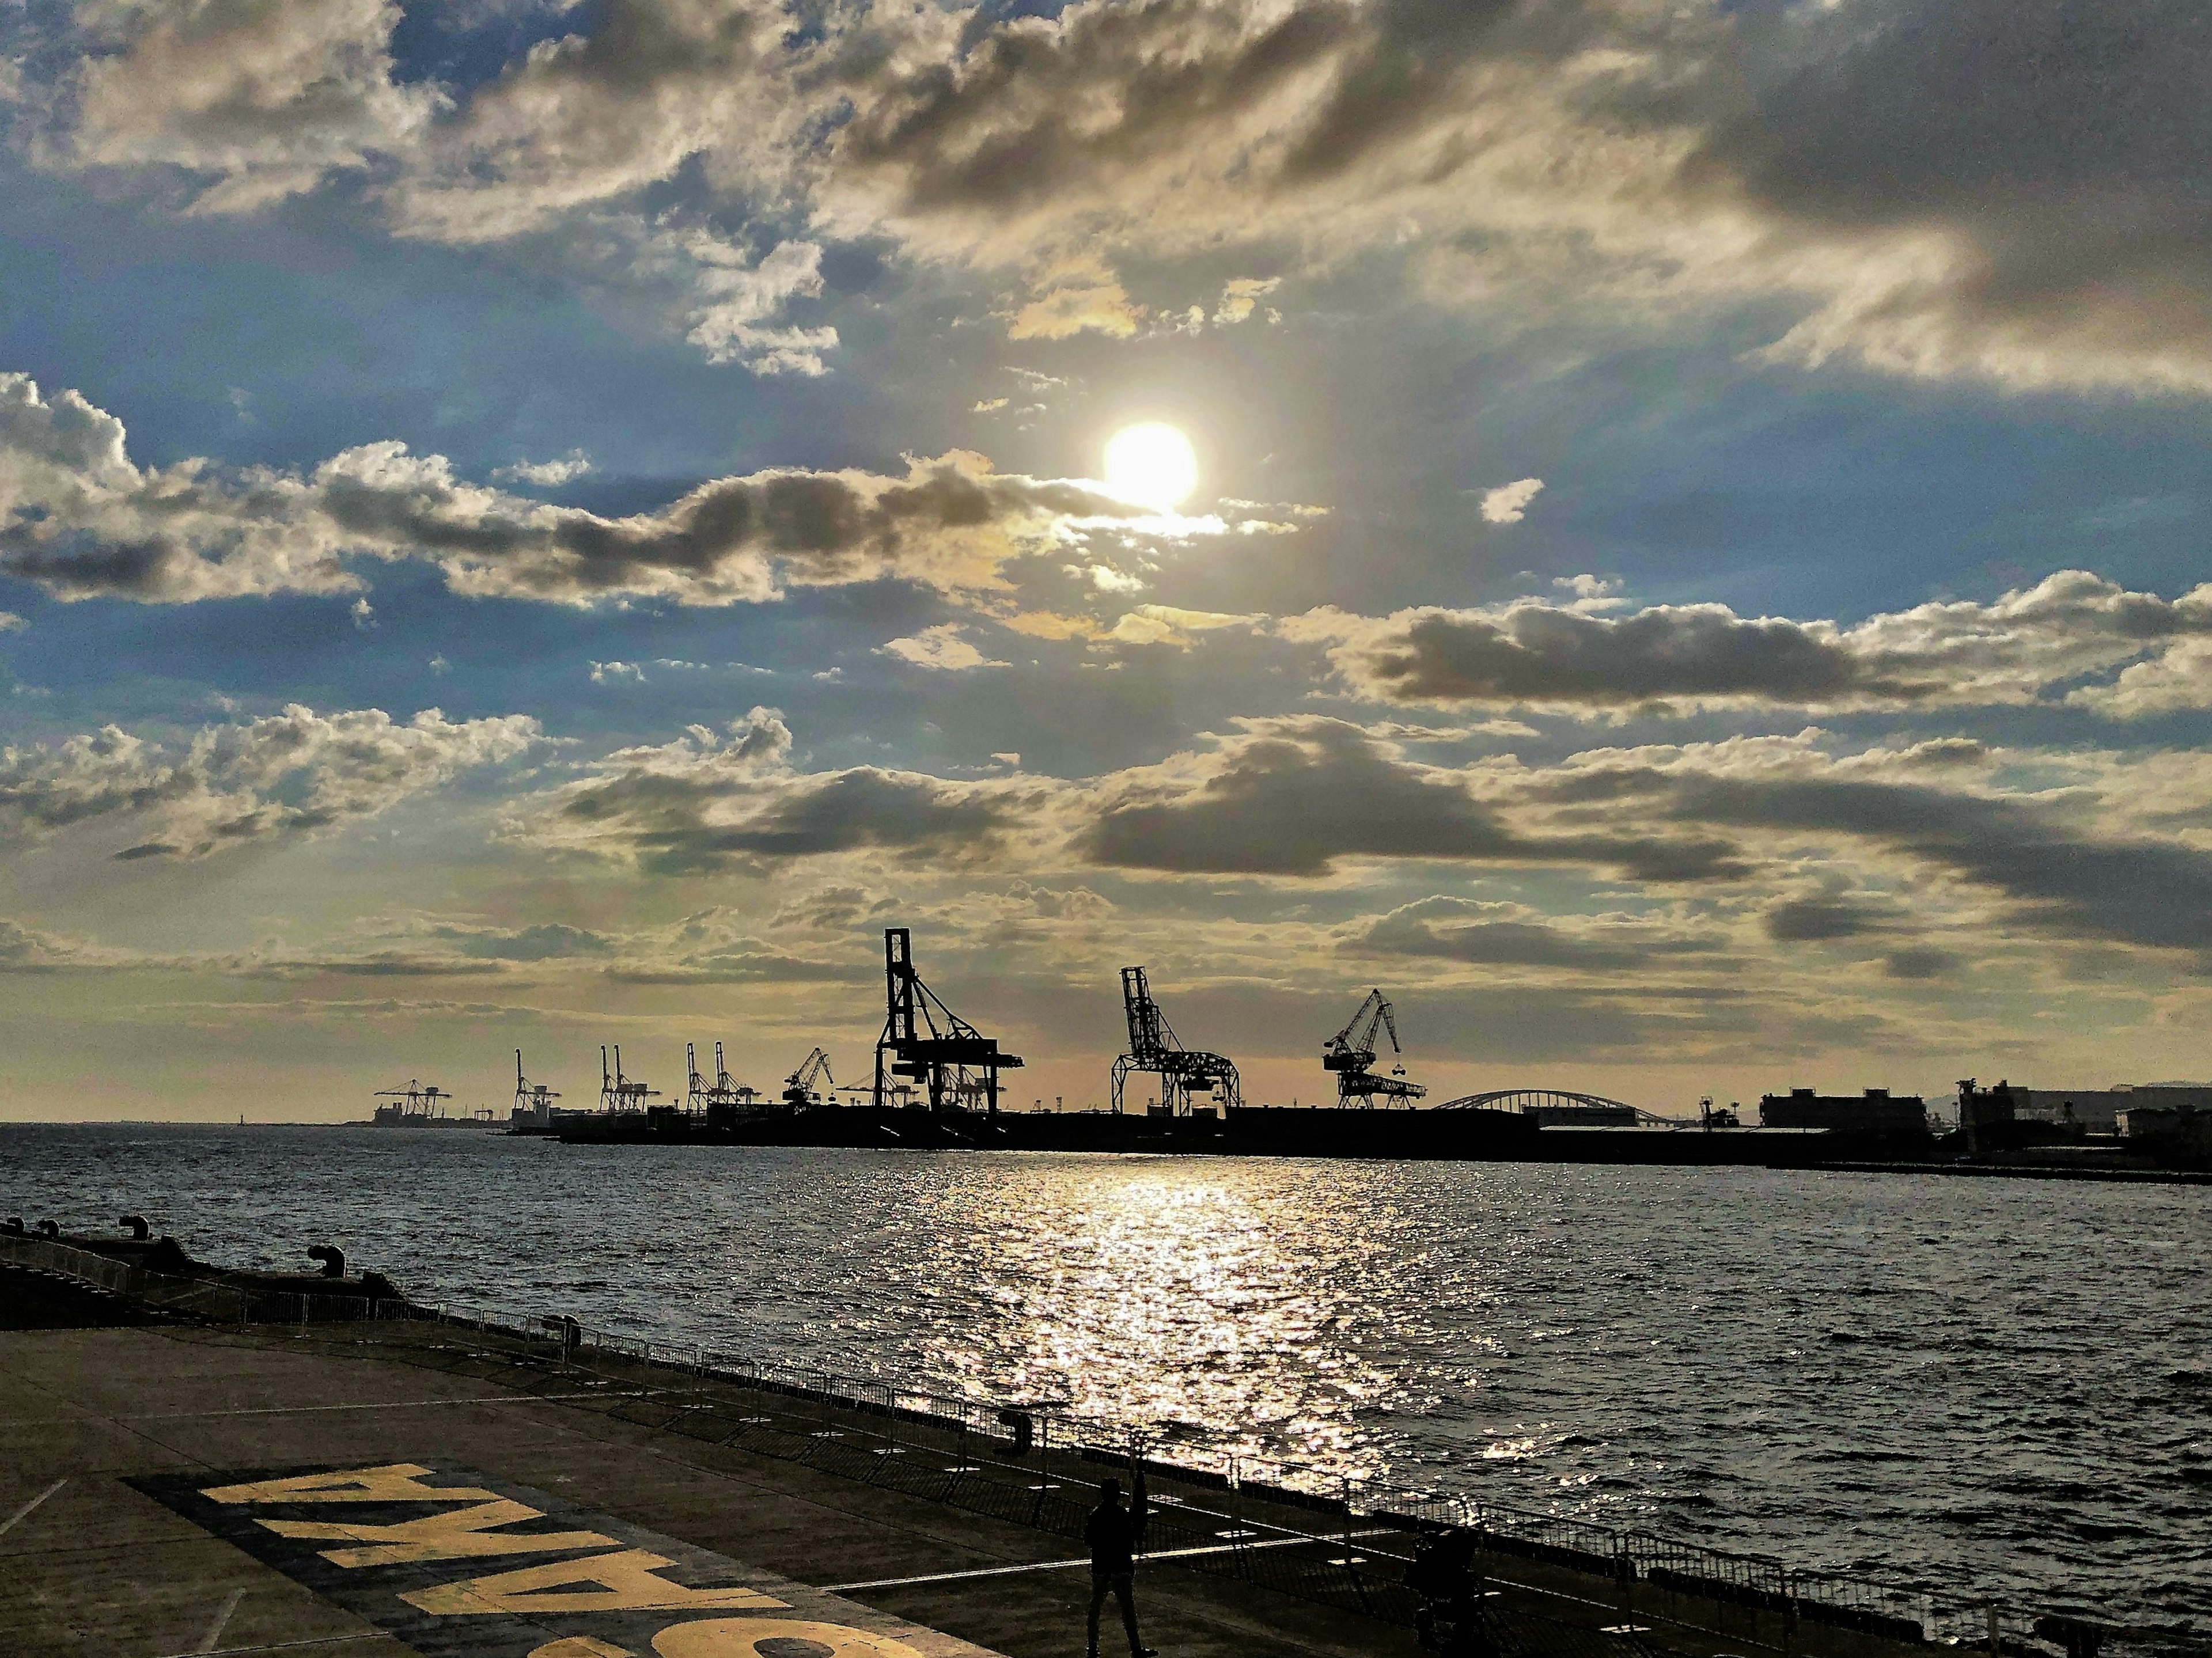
1154 1047
1351 1054
927 1040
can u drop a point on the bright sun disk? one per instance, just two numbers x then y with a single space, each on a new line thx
1152 465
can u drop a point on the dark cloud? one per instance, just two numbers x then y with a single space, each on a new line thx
1540 653
1291 798
1804 920
80 518
715 802
2157 894
1492 935
1919 963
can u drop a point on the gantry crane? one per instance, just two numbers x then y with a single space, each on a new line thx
1153 1047
416 1099
1351 1054
618 1092
534 1099
727 1090
926 1041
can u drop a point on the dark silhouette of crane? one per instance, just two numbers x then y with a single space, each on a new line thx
810 1083
418 1101
1153 1047
927 1040
727 1092
618 1092
531 1099
1351 1054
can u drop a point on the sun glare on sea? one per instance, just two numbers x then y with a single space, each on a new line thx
1151 464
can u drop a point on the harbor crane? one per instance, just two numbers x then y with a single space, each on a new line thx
1351 1054
1154 1047
926 1041
416 1099
727 1089
618 1092
535 1098
810 1083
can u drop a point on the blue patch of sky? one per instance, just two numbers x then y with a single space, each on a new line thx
461 47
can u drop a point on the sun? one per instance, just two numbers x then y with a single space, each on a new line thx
1151 464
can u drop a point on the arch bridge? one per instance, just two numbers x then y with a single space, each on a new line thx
1565 1102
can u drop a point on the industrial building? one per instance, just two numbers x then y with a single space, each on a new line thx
1877 1111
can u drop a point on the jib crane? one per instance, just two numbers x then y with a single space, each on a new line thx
1351 1054
927 1040
1153 1047
810 1083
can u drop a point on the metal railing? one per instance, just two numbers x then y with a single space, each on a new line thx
1657 1578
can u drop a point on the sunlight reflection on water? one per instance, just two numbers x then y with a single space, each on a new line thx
2006 1380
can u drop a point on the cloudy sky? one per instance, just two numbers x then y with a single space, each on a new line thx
531 523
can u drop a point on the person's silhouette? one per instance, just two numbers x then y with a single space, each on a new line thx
1112 1532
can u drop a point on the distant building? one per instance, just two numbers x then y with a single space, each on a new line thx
2181 1127
2098 1110
1877 1111
1581 1116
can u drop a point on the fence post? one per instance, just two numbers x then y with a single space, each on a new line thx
1994 1645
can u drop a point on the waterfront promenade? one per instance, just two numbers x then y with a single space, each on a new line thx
98 1567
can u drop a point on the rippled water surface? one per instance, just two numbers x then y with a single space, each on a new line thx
1956 1382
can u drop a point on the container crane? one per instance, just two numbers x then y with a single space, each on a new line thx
618 1092
727 1090
1154 1047
417 1100
1351 1054
531 1099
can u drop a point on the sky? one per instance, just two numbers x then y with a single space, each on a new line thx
536 524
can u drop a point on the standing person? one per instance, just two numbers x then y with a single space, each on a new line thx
1112 1532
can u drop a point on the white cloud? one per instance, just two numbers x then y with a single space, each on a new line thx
605 673
1509 502
1241 295
251 99
288 772
547 474
11 623
941 647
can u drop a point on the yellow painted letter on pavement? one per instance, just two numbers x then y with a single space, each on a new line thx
740 1637
579 1646
394 1482
454 1534
620 1583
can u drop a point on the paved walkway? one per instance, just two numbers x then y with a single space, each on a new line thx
92 1564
